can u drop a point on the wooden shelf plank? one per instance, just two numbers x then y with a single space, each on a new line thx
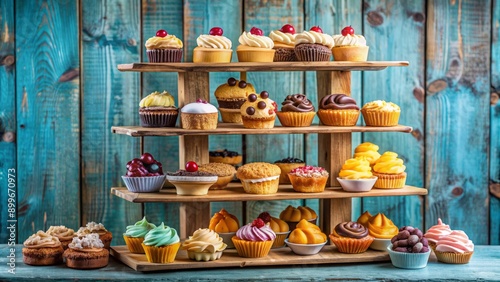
249 67
230 258
235 192
232 128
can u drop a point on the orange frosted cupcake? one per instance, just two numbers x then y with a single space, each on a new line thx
213 47
254 240
255 47
455 248
364 218
134 235
390 171
258 111
161 244
368 151
382 229
351 237
381 113
338 110
308 179
226 225
296 110
279 227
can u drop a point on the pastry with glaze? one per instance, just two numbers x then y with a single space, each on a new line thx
390 171
42 249
134 235
351 237
63 233
296 111
259 177
213 47
204 245
254 240
86 252
255 47
338 110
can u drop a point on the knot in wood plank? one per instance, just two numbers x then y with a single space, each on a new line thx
495 189
375 18
419 94
494 98
69 75
457 191
9 137
417 134
437 86
8 60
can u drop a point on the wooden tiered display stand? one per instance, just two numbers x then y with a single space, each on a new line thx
334 147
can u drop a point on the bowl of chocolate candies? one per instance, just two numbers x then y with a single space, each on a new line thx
409 249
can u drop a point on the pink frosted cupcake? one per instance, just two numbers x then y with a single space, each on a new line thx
436 232
254 240
455 248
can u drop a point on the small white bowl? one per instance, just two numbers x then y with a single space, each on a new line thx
192 185
408 260
146 184
226 238
380 244
357 185
305 249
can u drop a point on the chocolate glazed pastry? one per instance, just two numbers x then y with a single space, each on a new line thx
338 110
352 230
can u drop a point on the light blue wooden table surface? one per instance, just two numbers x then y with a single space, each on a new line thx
484 266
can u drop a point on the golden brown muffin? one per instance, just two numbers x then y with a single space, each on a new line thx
224 172
42 249
259 177
231 96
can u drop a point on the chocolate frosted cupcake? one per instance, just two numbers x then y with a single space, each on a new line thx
158 110
351 237
313 45
164 48
296 110
338 110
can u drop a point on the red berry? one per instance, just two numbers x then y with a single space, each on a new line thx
134 173
217 31
347 30
191 166
317 29
161 33
147 158
256 31
265 216
134 167
258 223
288 28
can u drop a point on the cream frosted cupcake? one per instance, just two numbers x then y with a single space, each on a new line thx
42 249
368 151
313 45
134 235
87 252
213 47
199 115
455 248
161 244
63 233
204 245
284 43
390 171
164 48
254 240
349 46
104 235
158 110
381 113
356 175
258 111
338 110
255 47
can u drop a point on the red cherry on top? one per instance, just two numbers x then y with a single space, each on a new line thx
147 158
317 29
191 166
256 31
265 216
288 28
217 31
347 30
258 223
161 33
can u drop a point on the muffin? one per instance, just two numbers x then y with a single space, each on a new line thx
436 232
258 111
191 181
296 110
381 113
104 235
390 171
255 47
292 215
286 165
279 227
308 179
199 115
164 48
356 175
226 225
204 245
338 110
351 237
382 229
368 151
225 173
42 249
158 110
134 235
161 244
254 240
455 248
409 249
225 157
259 177
213 47
144 174
86 252
231 96
63 233
313 45
284 43
349 46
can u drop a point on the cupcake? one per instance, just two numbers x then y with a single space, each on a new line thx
231 96
254 240
436 232
296 110
351 237
292 215
255 47
286 165
158 110
313 45
225 157
226 225
390 171
225 173
308 179
349 46
86 252
199 115
164 48
368 151
455 248
382 229
134 235
63 233
381 113
409 249
356 175
279 227
284 43
144 174
204 245
338 110
306 239
104 235
191 181
161 244
259 177
258 111
42 249
213 47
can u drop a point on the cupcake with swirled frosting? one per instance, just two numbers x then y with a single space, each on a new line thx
284 43
161 244
381 113
254 240
42 249
63 233
158 110
436 232
390 171
338 110
349 46
204 245
164 48
296 110
134 235
356 175
368 151
255 47
313 45
455 248
213 47
351 237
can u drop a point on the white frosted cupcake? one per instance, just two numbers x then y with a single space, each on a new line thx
213 47
204 245
349 46
199 115
255 47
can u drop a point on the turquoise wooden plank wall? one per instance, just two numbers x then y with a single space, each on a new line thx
60 93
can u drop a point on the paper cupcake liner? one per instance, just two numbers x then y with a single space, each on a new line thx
199 121
230 115
164 55
207 55
350 53
308 184
388 181
156 119
197 256
296 119
145 184
265 187
338 117
312 52
374 118
408 260
284 55
453 258
165 254
280 239
134 245
261 55
285 169
258 123
250 249
351 245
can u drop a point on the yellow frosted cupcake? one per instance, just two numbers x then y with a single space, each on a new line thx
364 218
213 47
255 47
161 244
164 48
368 151
382 229
254 240
307 233
204 245
134 235
390 171
338 110
356 175
381 113
292 216
296 110
349 46
158 110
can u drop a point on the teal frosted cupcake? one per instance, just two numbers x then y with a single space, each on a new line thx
134 236
161 244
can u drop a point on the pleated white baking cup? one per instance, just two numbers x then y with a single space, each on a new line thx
146 184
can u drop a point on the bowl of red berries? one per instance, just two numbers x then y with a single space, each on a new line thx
144 175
